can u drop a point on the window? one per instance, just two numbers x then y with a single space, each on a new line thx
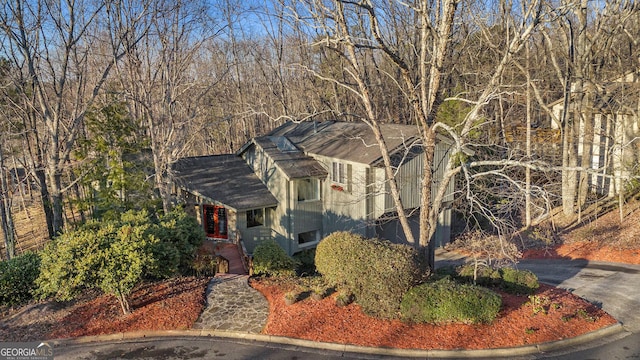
338 174
255 217
308 237
283 144
341 174
308 189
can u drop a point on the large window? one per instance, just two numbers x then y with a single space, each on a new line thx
308 189
255 217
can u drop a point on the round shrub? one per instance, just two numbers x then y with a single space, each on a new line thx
17 279
447 301
519 281
336 255
269 258
508 279
378 272
484 276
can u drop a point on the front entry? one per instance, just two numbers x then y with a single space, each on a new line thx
215 221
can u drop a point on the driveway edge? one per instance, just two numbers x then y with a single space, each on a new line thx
608 331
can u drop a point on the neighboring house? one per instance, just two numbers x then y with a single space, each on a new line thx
614 109
306 180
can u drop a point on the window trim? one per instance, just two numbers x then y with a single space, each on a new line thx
338 174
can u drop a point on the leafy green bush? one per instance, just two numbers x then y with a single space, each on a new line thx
17 279
446 301
185 232
306 262
519 281
271 259
509 279
336 255
180 236
112 256
124 262
484 276
378 272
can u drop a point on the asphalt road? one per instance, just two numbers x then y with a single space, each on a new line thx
614 287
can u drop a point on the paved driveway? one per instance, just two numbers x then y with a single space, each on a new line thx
614 287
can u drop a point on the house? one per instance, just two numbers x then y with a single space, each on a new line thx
306 180
614 109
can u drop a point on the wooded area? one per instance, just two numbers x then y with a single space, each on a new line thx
100 97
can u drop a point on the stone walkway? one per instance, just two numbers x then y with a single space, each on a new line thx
233 305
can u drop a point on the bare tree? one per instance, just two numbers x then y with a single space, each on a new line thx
362 30
163 84
54 44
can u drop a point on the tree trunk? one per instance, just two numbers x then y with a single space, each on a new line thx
46 200
5 212
124 304
55 182
427 225
527 175
360 78
586 124
569 151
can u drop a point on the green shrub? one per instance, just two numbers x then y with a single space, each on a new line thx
446 301
519 281
17 279
271 259
448 271
306 261
378 272
112 256
484 276
509 279
179 236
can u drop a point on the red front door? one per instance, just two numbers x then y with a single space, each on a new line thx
215 221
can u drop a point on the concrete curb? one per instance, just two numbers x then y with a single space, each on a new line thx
483 353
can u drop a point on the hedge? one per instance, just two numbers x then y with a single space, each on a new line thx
270 259
447 301
377 271
511 280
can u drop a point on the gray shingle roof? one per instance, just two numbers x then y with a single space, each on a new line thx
350 141
226 179
295 164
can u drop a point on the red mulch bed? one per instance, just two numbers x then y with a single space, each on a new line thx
567 316
605 238
585 250
166 305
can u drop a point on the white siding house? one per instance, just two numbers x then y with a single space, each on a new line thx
614 110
